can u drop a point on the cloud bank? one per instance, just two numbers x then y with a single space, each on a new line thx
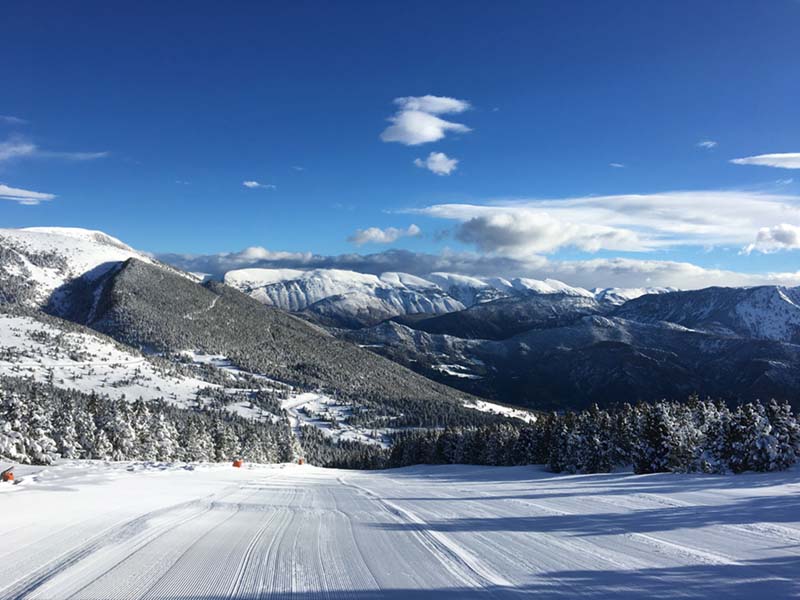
616 272
628 222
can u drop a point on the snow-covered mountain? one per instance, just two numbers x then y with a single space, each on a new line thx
350 299
518 340
619 296
766 312
343 297
37 262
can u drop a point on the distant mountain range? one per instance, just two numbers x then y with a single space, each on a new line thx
349 299
537 344
546 344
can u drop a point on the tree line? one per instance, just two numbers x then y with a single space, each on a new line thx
40 422
697 436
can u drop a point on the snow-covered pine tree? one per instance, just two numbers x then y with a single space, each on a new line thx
226 442
786 432
102 450
751 442
65 432
196 442
165 436
651 451
559 457
146 443
595 453
40 447
120 431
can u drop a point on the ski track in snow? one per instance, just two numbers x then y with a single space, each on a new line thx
194 313
89 530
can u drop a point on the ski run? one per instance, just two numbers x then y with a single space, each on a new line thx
96 530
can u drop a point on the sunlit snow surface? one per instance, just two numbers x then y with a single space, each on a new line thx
88 530
86 362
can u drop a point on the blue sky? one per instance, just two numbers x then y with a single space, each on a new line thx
145 119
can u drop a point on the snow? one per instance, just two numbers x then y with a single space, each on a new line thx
771 313
247 410
122 530
261 276
619 296
88 363
346 292
406 280
321 411
454 370
350 293
87 253
223 363
500 409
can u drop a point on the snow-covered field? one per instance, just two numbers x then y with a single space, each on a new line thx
88 530
86 362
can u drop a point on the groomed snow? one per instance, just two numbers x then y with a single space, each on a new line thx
88 530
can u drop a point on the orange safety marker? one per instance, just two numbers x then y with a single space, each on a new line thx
238 463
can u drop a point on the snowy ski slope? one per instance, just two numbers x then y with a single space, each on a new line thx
88 530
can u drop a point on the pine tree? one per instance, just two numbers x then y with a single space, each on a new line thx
40 448
786 432
652 447
65 432
102 450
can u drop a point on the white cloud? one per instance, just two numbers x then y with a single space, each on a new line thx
76 156
438 163
775 238
616 165
786 160
623 272
253 185
25 197
11 120
707 144
629 222
376 235
435 105
17 147
415 121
